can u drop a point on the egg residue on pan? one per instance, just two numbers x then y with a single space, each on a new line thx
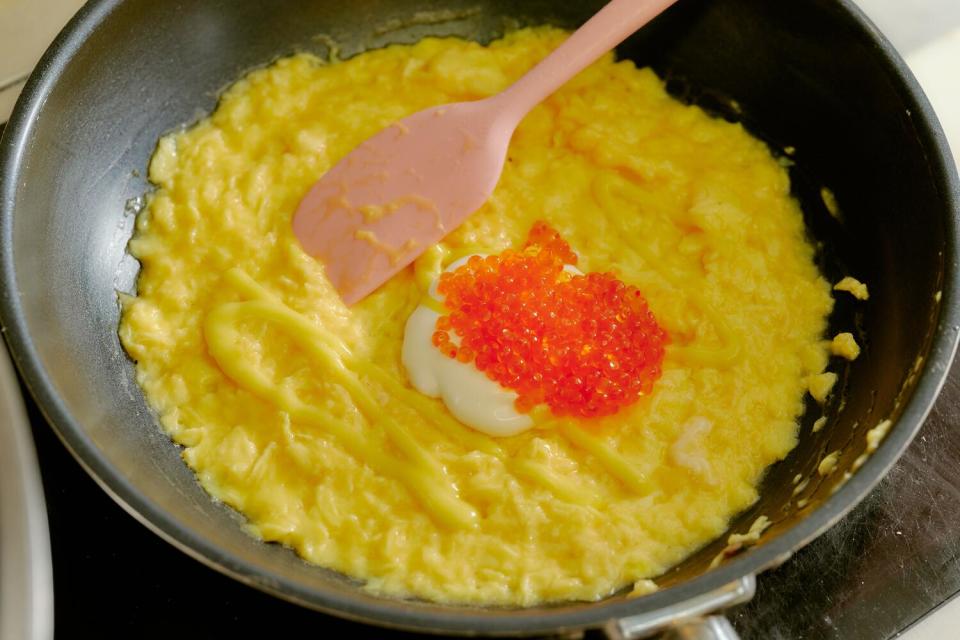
298 411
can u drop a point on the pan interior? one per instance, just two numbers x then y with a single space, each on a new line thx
806 76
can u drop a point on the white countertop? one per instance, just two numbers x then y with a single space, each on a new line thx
927 32
937 67
26 28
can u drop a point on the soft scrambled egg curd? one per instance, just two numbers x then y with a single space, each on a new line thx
298 411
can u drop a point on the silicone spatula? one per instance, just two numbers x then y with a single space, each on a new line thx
408 186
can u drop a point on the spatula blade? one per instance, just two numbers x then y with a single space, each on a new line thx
400 192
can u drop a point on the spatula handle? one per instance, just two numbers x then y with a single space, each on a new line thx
604 31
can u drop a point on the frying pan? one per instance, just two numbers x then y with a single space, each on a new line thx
814 75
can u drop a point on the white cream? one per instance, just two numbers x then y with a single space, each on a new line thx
472 397
688 450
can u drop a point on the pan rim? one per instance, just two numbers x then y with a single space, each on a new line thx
467 620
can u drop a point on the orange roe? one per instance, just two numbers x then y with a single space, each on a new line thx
586 345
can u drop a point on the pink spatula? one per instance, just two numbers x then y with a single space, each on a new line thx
408 186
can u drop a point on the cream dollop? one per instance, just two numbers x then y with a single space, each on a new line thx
472 397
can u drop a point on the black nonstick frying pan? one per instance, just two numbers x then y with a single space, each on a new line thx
809 74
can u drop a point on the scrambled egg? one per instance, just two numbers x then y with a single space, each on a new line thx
295 410
845 346
820 385
830 202
854 287
829 464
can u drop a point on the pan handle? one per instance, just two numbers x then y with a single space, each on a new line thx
691 619
709 628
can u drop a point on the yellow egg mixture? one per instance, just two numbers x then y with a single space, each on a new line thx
296 410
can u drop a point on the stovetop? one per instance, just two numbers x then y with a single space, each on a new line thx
890 561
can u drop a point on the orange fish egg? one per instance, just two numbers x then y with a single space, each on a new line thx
585 345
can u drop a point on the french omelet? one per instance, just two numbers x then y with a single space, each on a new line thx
296 411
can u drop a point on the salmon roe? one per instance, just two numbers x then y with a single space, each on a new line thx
586 345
